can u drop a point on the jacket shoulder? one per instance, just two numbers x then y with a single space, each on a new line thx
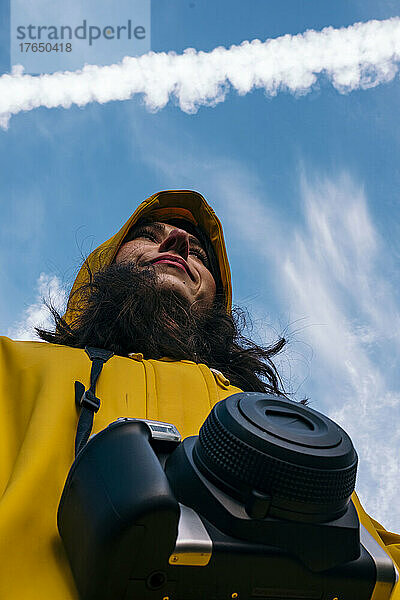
25 347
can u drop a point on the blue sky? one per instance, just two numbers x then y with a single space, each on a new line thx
307 188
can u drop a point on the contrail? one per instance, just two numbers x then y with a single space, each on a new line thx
361 56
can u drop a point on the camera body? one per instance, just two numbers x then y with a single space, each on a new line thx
222 515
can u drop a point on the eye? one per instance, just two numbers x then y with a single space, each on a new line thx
148 236
146 233
200 253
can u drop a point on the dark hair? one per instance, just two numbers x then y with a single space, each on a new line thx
110 312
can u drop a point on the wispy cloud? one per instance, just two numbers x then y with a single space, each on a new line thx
360 56
48 287
335 274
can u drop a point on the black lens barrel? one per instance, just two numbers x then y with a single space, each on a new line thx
302 462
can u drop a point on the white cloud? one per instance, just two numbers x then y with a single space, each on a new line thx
333 274
48 287
357 57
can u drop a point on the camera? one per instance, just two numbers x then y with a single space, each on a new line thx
256 507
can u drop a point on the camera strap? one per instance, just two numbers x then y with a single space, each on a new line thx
87 400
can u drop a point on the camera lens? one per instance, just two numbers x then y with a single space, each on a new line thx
269 451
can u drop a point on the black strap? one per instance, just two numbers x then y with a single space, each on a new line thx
87 399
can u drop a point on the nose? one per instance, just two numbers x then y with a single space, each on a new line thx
177 241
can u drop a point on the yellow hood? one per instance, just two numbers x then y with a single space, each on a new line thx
184 204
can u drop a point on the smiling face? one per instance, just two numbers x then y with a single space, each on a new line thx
178 258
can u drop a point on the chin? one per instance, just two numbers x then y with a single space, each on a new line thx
176 287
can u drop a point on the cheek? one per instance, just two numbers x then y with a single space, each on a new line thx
129 252
209 287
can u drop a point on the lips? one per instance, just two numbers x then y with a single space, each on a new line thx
175 260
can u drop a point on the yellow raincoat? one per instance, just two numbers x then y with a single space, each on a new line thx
38 421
